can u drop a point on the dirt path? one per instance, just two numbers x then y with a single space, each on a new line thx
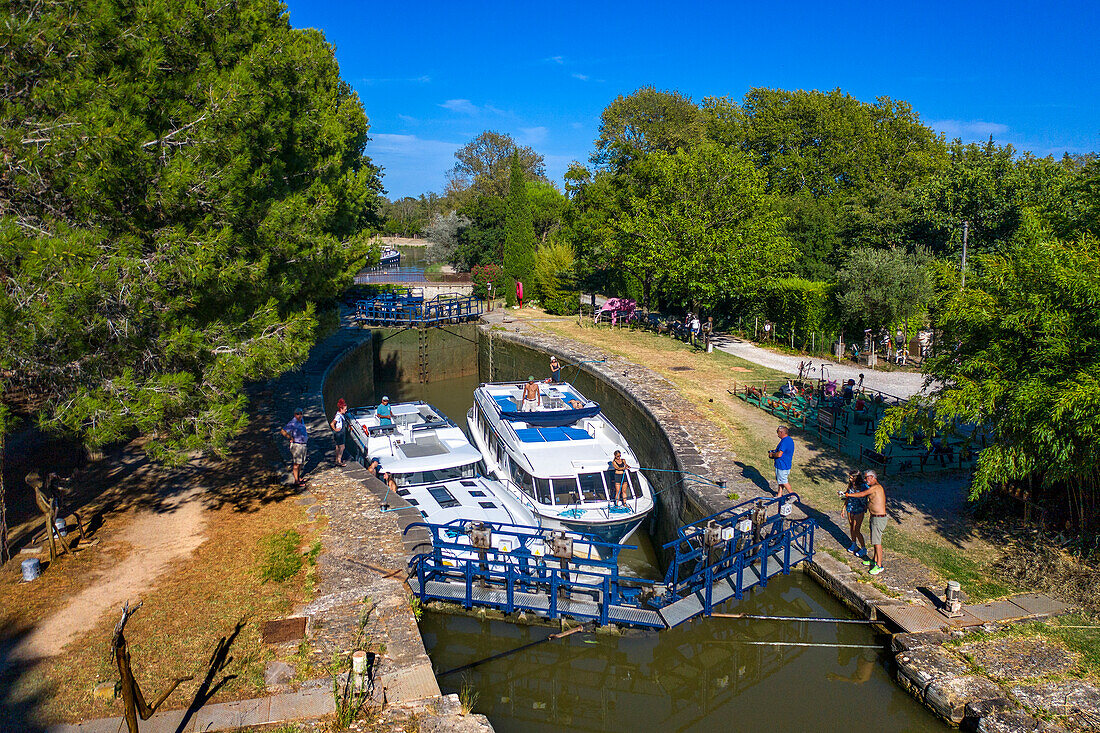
154 539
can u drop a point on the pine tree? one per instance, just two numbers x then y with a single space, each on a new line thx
519 234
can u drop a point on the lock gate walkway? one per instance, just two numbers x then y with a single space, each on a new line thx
558 574
406 308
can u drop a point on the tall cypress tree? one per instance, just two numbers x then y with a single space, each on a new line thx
519 234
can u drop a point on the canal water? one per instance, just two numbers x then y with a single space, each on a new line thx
707 675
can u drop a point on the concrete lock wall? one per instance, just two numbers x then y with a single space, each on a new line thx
351 376
448 352
512 361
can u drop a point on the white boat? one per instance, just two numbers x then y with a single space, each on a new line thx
469 499
557 460
419 444
389 258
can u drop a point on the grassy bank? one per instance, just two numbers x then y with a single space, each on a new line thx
703 380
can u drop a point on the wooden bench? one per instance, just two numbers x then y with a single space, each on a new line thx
874 458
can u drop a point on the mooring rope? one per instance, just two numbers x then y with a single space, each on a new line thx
512 651
821 619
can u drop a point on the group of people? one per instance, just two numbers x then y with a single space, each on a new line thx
863 495
298 436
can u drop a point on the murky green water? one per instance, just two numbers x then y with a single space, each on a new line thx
707 675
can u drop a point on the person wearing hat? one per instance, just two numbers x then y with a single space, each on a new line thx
339 427
295 432
532 398
555 369
384 412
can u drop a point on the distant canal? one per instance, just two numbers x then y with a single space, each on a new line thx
707 675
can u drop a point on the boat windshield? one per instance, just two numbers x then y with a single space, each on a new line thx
592 488
634 486
437 476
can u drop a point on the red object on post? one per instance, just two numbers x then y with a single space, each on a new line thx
519 293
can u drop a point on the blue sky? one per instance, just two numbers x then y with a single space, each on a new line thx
433 75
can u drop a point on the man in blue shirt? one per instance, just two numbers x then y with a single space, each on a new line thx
295 432
384 412
783 455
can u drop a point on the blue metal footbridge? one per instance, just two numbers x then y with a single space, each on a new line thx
558 574
405 307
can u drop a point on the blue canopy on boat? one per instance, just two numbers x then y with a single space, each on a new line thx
551 418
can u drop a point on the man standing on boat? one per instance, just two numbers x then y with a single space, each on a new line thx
783 455
295 432
532 399
384 412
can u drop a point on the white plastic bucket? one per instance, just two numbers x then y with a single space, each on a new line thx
62 529
32 568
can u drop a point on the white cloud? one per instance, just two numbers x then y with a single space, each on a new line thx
533 135
577 125
556 59
407 119
582 77
969 129
423 79
411 165
462 106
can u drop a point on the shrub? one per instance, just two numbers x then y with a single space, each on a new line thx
484 274
281 558
804 305
555 277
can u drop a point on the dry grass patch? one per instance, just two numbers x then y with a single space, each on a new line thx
193 605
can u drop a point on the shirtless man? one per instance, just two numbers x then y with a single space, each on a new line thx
876 495
532 399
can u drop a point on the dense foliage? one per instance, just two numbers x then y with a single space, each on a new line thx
803 306
180 184
555 277
519 232
1020 354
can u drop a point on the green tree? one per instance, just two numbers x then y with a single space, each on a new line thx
703 228
484 163
180 184
519 232
644 122
880 287
548 207
1017 355
554 277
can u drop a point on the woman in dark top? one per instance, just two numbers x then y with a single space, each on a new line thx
619 464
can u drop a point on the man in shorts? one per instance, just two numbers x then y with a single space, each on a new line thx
876 507
295 432
532 398
783 455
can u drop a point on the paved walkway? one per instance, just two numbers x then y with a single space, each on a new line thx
899 384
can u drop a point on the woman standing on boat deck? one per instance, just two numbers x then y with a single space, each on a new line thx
619 464
555 369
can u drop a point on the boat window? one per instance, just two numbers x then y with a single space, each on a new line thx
443 496
592 487
487 505
542 488
635 484
565 491
414 502
442 474
477 493
526 483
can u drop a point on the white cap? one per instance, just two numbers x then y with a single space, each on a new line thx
385 399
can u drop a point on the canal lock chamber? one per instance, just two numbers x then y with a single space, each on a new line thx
708 674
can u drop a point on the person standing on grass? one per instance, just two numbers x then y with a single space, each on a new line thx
783 455
339 427
856 509
295 432
876 505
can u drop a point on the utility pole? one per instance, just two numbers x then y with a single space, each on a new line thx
966 230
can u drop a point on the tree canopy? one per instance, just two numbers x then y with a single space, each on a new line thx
181 183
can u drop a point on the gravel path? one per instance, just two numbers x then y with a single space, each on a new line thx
899 384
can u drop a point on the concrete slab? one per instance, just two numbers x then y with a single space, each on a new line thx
997 611
1038 604
913 618
230 715
306 703
415 683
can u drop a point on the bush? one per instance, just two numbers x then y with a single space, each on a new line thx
484 274
281 558
804 305
555 277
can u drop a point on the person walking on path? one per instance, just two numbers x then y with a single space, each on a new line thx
876 505
856 508
339 427
555 369
532 398
295 432
619 464
783 455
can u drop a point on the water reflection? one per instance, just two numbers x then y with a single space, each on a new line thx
711 674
